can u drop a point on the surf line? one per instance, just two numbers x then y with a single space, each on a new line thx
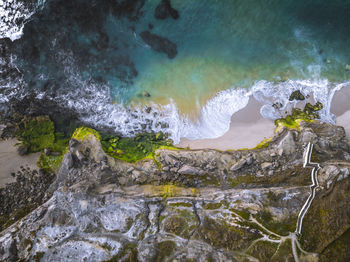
313 187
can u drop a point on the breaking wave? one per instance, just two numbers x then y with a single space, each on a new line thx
13 16
95 106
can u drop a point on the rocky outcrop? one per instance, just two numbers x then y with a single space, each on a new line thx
165 10
159 44
198 205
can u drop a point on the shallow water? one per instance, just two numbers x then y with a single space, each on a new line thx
91 55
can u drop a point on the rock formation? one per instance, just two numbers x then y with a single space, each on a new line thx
192 205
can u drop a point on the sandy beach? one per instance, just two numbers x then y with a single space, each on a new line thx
11 161
341 108
247 129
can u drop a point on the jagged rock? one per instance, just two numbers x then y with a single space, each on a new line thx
287 144
187 170
296 95
164 10
185 204
266 165
47 151
159 44
327 174
242 162
22 150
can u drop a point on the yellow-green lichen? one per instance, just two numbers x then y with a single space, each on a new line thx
293 120
132 149
82 133
263 144
36 133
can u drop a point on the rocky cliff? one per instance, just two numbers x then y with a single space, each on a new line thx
192 205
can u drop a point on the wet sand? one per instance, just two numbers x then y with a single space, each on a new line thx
11 161
247 129
341 108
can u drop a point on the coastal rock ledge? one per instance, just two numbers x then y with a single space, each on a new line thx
192 205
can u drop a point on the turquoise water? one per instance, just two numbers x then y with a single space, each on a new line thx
85 47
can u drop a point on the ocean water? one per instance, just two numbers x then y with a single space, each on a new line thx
93 56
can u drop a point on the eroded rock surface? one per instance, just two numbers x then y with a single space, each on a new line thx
185 205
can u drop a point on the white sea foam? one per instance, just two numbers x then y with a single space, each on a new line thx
95 105
13 16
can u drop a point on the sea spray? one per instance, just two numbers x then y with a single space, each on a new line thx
13 16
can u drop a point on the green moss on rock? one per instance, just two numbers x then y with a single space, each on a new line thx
283 227
82 133
212 206
293 120
284 252
37 133
132 149
263 250
338 250
165 249
127 254
182 223
8 219
223 235
296 95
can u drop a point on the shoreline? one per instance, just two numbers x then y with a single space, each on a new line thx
11 161
248 128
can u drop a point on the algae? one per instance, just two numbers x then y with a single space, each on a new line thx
83 132
263 250
133 149
297 115
36 133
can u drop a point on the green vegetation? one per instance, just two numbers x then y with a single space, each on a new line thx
247 179
279 227
181 224
38 134
50 163
296 95
127 254
338 250
293 120
245 214
8 219
212 206
263 144
220 234
164 250
82 133
263 250
180 204
284 252
132 149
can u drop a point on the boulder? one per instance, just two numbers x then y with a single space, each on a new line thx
159 44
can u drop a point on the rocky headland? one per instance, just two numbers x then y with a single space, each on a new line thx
93 202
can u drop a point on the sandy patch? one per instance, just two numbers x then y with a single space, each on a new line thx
11 161
247 129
